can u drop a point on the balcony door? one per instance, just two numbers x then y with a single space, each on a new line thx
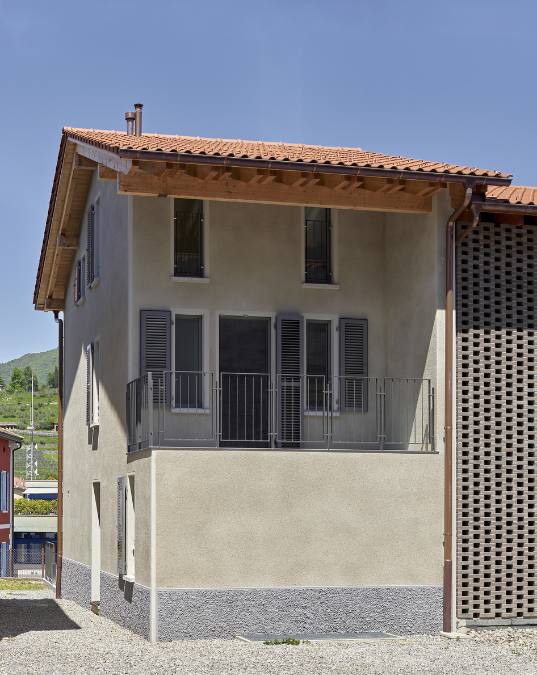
244 354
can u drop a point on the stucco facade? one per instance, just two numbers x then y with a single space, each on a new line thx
227 519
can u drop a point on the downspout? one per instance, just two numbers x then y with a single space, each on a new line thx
448 403
59 537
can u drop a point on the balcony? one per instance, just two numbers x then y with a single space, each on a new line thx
257 410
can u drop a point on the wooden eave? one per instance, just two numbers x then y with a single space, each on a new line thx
60 243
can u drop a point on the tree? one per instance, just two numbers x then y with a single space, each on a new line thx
17 380
52 379
2 383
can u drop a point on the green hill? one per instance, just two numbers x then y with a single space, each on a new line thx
42 363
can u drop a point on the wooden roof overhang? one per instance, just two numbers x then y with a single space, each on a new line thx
164 174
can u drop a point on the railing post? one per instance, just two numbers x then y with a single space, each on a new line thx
381 416
272 411
329 405
150 409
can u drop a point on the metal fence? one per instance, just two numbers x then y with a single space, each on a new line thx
49 567
200 409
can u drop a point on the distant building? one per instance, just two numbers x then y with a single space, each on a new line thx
9 442
41 489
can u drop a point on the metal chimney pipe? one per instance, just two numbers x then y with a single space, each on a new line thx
138 118
130 117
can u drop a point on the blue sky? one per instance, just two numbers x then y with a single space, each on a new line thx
450 81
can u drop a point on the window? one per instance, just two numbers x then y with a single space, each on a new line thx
130 527
4 491
93 244
188 375
188 238
318 363
317 246
80 275
92 385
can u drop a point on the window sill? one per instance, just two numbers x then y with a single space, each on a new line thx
80 302
190 280
129 578
94 283
331 287
319 413
190 411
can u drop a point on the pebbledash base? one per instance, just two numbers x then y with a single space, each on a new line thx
189 614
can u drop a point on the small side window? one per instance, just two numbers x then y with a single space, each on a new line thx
80 279
93 244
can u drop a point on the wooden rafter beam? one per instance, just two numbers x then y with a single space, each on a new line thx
106 174
271 187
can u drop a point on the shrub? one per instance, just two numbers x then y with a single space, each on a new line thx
36 507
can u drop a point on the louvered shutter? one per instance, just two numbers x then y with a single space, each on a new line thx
94 384
91 244
289 366
353 364
121 526
155 351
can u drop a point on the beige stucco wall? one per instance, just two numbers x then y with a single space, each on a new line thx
262 518
102 317
240 518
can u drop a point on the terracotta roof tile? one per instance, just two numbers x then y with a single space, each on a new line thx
117 141
513 194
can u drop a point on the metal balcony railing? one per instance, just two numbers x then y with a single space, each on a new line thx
259 410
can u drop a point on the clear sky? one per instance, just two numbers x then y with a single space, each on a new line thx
450 81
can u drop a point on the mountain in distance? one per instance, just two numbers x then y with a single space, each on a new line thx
42 363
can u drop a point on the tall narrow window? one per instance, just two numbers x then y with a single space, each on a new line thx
188 362
93 243
317 246
318 363
80 280
92 385
188 238
4 491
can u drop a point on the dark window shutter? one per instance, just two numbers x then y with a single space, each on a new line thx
155 350
289 366
4 491
353 364
4 558
91 244
121 549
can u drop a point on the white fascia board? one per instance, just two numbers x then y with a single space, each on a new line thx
104 157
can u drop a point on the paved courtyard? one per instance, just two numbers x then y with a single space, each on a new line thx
38 635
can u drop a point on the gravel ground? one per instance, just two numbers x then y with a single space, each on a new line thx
38 635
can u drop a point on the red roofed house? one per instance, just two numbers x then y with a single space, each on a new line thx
9 442
298 386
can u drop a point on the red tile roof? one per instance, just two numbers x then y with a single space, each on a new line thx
513 194
117 141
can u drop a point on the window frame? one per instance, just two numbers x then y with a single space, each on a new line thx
205 393
80 280
92 394
4 491
204 277
95 205
333 320
330 282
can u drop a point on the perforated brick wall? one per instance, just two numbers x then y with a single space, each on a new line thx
496 454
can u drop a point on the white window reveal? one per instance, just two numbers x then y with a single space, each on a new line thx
92 385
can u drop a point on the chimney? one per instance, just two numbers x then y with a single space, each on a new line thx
130 117
138 119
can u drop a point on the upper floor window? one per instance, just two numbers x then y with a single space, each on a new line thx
80 283
317 246
93 243
188 238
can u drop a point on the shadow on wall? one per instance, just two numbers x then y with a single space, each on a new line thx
22 616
